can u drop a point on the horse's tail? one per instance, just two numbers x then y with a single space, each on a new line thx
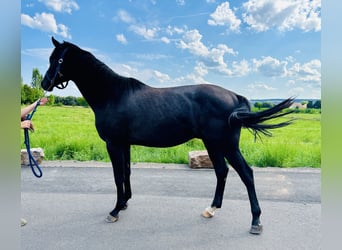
254 120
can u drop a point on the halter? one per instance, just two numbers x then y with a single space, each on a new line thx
58 72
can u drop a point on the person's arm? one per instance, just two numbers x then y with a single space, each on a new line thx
26 110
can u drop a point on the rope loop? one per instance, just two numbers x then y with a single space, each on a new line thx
33 163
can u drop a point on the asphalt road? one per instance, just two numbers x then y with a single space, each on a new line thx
67 207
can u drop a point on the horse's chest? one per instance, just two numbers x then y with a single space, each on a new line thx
109 129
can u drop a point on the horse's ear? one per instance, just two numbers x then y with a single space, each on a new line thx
55 42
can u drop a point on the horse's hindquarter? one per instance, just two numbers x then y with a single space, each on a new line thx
170 116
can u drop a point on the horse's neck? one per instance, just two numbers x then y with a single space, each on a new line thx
99 84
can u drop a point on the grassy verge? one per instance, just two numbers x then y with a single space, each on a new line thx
68 133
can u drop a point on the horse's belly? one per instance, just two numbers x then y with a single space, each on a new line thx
162 138
159 143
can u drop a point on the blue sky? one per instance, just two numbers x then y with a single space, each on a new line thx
257 48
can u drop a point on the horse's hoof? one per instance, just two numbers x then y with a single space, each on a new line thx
256 229
112 219
209 212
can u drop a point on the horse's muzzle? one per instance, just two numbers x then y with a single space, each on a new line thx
47 83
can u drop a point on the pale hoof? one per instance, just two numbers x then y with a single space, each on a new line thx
257 229
209 212
112 219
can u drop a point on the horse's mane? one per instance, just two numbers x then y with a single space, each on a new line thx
109 74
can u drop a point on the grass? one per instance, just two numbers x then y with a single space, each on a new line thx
68 133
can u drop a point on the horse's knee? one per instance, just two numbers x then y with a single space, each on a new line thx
221 171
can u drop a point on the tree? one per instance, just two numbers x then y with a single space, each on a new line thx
258 105
317 104
267 105
51 99
81 102
310 105
36 79
33 93
314 105
27 95
69 101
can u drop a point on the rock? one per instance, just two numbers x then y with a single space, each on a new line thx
37 153
199 159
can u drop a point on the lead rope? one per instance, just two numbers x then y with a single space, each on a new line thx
33 163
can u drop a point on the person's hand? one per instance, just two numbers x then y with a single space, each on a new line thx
27 124
43 100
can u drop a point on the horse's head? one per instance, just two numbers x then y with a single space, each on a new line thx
57 74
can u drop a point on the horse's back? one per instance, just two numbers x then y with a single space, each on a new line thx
216 99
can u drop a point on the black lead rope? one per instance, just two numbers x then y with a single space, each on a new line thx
33 163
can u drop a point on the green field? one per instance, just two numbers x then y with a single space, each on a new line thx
68 133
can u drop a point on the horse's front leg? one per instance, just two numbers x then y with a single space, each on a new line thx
221 171
117 156
127 175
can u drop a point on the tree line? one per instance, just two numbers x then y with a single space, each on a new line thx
32 92
309 104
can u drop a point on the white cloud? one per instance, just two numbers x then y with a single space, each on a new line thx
200 69
152 57
192 42
61 5
161 77
190 79
306 16
180 2
170 30
125 17
241 68
270 66
63 31
262 15
179 30
165 40
226 49
224 16
147 75
41 53
307 72
260 90
121 38
212 58
124 70
139 29
260 87
147 33
45 22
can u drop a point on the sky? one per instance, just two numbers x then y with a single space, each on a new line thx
257 48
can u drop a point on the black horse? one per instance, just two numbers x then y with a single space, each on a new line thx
128 112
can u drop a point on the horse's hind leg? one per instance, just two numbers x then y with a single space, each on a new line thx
237 161
221 171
